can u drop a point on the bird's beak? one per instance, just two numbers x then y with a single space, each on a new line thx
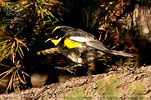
48 40
55 41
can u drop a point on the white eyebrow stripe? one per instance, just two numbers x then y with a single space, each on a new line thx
79 39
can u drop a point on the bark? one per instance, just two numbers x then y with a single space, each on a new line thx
142 21
121 84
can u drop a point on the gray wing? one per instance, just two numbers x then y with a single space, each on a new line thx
98 45
119 53
91 42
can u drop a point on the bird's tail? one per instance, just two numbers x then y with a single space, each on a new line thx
119 53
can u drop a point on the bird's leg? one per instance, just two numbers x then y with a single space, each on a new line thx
70 68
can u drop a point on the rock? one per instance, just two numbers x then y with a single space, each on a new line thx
38 80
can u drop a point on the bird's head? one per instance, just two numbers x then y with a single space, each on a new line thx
58 33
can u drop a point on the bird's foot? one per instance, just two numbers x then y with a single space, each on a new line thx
70 68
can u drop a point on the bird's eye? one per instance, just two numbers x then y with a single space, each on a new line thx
56 37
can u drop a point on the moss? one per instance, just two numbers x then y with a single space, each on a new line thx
108 90
135 91
77 94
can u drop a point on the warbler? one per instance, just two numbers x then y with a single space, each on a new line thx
80 46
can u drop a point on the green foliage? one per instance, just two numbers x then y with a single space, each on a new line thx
20 23
11 46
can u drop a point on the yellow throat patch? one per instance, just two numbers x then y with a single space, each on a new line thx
70 44
55 42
